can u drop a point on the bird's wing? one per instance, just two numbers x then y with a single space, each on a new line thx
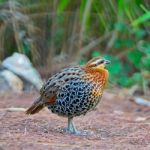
49 90
52 87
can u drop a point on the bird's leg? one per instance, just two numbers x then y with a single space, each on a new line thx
71 127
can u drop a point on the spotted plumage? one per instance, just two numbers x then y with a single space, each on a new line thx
73 91
74 98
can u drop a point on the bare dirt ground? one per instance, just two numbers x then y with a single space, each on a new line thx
117 124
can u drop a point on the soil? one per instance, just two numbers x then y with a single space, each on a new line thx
117 124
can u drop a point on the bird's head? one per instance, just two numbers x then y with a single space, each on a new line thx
97 64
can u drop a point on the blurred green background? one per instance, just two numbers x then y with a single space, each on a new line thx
56 32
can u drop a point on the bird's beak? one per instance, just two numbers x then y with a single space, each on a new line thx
106 62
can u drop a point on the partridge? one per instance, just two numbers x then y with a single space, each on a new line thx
73 91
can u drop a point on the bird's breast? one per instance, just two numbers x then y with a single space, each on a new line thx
98 80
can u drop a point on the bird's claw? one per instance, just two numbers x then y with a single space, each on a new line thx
77 132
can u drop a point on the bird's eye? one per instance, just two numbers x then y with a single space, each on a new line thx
102 61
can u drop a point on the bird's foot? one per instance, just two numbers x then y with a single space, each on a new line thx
77 132
71 131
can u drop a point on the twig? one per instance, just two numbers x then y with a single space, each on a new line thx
13 109
75 25
84 21
125 51
142 101
15 25
94 43
52 47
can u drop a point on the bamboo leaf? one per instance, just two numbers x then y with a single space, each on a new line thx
141 19
62 5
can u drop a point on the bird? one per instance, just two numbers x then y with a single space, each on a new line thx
73 91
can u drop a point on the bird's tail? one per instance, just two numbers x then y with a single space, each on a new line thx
36 106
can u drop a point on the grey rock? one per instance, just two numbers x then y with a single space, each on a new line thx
14 82
4 86
21 65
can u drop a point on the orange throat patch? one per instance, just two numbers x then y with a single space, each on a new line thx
99 78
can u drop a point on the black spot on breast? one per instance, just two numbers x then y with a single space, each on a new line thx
77 100
80 104
63 103
57 110
71 78
71 105
84 96
53 84
80 96
67 99
85 103
80 89
80 93
72 96
75 88
74 102
59 102
62 95
67 79
67 86
76 83
67 109
86 86
73 93
77 106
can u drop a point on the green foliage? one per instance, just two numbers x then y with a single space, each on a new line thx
117 30
142 19
139 33
62 5
120 26
82 61
116 66
135 57
95 54
146 63
129 81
